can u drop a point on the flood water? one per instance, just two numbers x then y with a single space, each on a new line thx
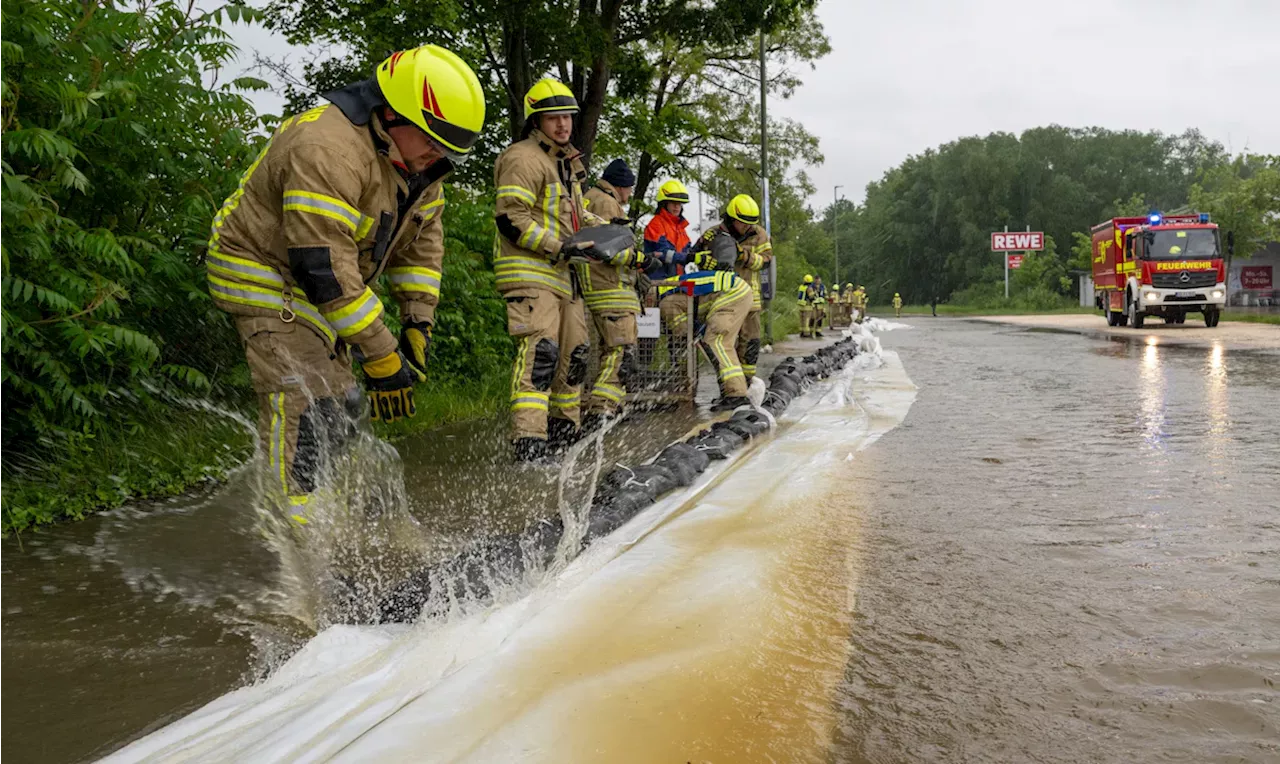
1068 551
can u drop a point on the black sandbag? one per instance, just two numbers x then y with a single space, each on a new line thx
717 446
744 431
753 417
684 452
623 506
683 471
656 476
608 240
752 421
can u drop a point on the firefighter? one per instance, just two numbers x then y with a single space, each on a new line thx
610 294
847 303
539 183
342 194
897 305
819 305
864 303
666 250
724 300
757 251
804 296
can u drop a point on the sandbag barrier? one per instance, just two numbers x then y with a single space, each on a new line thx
621 495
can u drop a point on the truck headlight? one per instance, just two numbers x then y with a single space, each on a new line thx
1217 294
1153 296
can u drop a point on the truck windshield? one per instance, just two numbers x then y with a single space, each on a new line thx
1179 245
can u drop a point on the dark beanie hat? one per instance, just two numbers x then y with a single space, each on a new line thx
618 174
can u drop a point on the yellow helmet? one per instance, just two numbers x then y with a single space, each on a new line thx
861 286
435 90
808 279
673 191
743 209
895 294
549 96
848 285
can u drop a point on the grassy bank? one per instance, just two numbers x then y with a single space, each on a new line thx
166 451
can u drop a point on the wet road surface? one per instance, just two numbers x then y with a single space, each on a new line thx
1069 551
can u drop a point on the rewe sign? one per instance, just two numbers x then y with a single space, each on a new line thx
1015 261
1017 241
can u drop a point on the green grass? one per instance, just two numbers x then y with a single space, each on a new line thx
448 402
167 451
1251 318
162 451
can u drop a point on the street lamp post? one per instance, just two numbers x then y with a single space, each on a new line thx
835 229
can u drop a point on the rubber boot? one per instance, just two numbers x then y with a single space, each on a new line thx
530 450
561 435
729 404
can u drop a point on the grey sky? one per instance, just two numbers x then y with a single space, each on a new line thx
907 75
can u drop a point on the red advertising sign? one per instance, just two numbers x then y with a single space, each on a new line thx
1015 261
1255 277
1017 241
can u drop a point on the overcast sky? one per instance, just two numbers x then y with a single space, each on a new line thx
910 74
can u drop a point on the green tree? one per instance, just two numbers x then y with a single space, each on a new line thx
1243 197
119 143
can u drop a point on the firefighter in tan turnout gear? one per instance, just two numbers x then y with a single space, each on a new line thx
341 195
757 251
729 299
539 183
609 290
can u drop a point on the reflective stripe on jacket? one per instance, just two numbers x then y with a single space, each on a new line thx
754 250
319 215
609 286
667 233
539 206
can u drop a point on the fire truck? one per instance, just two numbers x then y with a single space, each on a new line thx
1157 265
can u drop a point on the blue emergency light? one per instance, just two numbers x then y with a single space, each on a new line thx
1204 217
1155 218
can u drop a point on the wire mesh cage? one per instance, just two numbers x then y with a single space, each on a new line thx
666 357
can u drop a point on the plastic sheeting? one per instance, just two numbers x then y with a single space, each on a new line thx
713 624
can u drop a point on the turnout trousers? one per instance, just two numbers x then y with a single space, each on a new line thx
550 330
308 403
724 323
617 357
748 344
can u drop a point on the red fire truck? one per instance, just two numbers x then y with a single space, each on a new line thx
1156 265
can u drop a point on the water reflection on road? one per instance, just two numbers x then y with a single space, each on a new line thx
1071 553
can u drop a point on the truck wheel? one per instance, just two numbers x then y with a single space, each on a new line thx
1136 317
1181 319
1211 317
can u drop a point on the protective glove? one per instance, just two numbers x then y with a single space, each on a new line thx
415 345
390 381
576 252
621 221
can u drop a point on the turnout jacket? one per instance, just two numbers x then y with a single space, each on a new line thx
609 287
325 209
755 247
539 205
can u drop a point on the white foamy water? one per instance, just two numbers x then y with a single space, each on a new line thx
715 622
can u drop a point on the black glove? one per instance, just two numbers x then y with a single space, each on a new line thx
415 345
390 381
580 252
621 221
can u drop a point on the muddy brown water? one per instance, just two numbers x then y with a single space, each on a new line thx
1069 551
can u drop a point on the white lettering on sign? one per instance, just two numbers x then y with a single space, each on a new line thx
1015 241
649 324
